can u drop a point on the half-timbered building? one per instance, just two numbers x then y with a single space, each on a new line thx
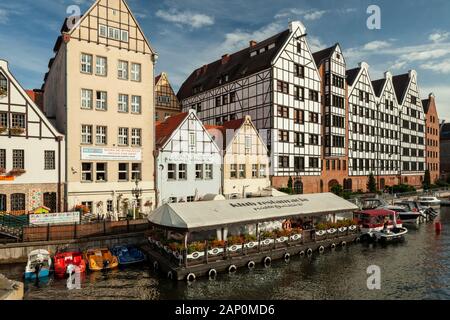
277 83
188 161
100 91
31 152
166 101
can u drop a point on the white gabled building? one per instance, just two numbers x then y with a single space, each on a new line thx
31 152
277 83
188 161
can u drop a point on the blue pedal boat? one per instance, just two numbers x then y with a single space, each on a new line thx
128 254
38 265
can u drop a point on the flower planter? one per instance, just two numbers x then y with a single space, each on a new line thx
266 242
295 237
352 228
195 255
282 239
2 170
17 131
342 229
17 172
235 247
3 130
320 233
251 245
177 255
331 231
215 251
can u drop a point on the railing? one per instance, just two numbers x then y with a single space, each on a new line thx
228 251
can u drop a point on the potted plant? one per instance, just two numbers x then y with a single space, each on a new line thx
282 235
250 241
17 130
321 229
215 246
266 237
17 172
296 234
234 243
3 129
2 170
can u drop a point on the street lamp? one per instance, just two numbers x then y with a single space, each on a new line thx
137 193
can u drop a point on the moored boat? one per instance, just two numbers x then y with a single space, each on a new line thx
128 254
63 260
380 225
406 215
100 259
429 201
38 265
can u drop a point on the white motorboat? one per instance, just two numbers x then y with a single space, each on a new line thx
429 201
380 225
38 265
406 215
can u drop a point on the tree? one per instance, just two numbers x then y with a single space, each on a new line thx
371 183
426 180
337 189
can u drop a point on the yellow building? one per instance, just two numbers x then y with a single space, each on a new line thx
99 91
166 101
245 159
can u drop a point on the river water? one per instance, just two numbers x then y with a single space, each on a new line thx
418 268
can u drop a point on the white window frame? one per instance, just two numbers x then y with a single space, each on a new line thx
84 172
122 70
248 144
102 102
86 99
101 69
86 134
136 104
122 103
103 31
242 171
104 172
262 171
172 171
86 63
182 171
136 137
49 160
208 171
123 135
233 171
136 169
101 135
18 159
254 171
199 171
18 120
123 171
136 72
192 140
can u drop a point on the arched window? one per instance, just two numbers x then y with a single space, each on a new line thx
2 202
18 202
3 85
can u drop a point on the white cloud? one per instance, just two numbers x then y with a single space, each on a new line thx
376 45
4 16
314 15
438 67
425 55
442 94
439 36
309 15
189 18
315 44
240 38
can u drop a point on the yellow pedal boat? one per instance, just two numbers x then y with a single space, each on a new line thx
100 259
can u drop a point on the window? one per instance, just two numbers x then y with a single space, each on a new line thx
100 172
123 137
283 161
299 70
361 95
190 199
254 171
208 171
313 95
182 174
86 134
233 171
100 136
242 173
135 104
122 70
86 172
123 172
87 204
313 162
283 136
248 144
367 97
262 171
2 159
18 120
49 160
192 140
86 63
218 101
299 163
313 139
109 206
135 72
199 171
299 139
103 30
18 202
166 100
283 111
299 116
136 171
225 99
299 93
2 203
171 171
3 85
100 103
101 66
124 35
86 99
299 47
232 97
136 137
283 87
413 99
314 117
3 120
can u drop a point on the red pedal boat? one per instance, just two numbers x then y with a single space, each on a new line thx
63 259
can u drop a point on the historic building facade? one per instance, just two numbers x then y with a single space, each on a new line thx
166 101
99 90
31 152
245 159
188 161
277 83
432 137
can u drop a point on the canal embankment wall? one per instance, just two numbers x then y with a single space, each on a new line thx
18 252
10 290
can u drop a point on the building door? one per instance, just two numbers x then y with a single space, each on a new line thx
331 184
382 183
348 185
298 187
50 201
321 186
2 202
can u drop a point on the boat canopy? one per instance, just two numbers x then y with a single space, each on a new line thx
208 215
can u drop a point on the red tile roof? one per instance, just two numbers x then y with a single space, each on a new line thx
234 124
165 129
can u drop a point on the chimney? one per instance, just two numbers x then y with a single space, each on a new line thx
253 43
202 70
225 58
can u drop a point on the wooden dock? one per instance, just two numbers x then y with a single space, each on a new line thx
230 262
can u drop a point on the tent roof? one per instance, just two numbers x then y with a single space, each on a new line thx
207 215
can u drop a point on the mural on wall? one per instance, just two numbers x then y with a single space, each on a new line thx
34 198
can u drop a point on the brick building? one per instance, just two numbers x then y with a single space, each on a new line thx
432 141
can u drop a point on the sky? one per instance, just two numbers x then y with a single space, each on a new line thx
190 33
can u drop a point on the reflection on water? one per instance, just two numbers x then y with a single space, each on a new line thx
418 268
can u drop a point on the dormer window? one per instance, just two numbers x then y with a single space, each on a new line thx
253 53
223 79
3 85
197 89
